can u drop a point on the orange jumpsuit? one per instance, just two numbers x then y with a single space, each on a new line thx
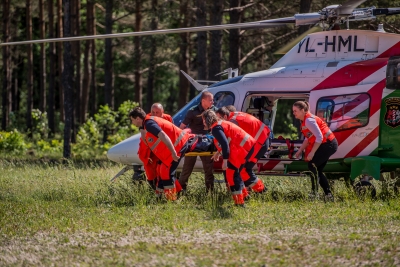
148 158
260 132
179 139
240 149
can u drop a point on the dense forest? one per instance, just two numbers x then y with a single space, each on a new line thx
63 90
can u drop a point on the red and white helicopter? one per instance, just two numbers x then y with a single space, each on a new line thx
350 78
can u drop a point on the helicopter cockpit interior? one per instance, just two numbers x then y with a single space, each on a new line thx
265 107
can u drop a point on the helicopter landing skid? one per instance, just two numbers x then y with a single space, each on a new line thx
124 170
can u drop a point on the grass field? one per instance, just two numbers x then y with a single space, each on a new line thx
52 214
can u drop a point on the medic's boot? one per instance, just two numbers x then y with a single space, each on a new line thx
245 194
178 186
238 199
258 186
170 194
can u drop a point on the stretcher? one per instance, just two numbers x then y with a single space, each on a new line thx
195 154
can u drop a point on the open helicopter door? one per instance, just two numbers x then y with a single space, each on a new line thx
266 107
353 114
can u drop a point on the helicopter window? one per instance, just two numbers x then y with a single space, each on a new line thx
222 99
344 112
332 64
261 107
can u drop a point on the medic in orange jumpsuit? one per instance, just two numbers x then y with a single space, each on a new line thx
236 147
260 132
150 161
319 144
168 143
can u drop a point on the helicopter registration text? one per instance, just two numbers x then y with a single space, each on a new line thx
340 43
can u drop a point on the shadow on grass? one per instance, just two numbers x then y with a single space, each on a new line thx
214 205
290 195
125 193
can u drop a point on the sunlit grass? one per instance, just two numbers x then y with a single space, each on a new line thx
52 213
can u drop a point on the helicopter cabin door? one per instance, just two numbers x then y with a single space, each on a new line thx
352 113
274 109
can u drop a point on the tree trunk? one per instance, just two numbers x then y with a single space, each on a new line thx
42 77
67 82
19 80
60 59
78 79
215 41
184 55
15 91
138 54
153 50
29 81
192 90
93 85
6 109
15 60
234 36
52 70
108 60
305 6
75 70
201 15
86 61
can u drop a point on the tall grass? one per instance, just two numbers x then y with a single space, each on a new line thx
67 214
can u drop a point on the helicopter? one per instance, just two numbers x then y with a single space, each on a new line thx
350 79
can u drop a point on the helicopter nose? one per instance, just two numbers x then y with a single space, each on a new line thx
126 151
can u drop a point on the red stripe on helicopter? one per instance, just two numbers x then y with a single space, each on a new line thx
348 107
376 97
352 74
364 143
347 76
393 51
269 165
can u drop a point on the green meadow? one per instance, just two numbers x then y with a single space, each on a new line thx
54 214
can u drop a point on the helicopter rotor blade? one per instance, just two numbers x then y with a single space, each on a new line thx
307 18
247 25
386 11
347 8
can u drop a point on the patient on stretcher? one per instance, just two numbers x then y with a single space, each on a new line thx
202 143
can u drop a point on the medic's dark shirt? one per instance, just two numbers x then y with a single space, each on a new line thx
152 127
194 121
218 133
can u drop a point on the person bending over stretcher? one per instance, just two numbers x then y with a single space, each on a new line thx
151 163
169 144
260 132
236 147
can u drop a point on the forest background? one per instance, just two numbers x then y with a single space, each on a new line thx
74 97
